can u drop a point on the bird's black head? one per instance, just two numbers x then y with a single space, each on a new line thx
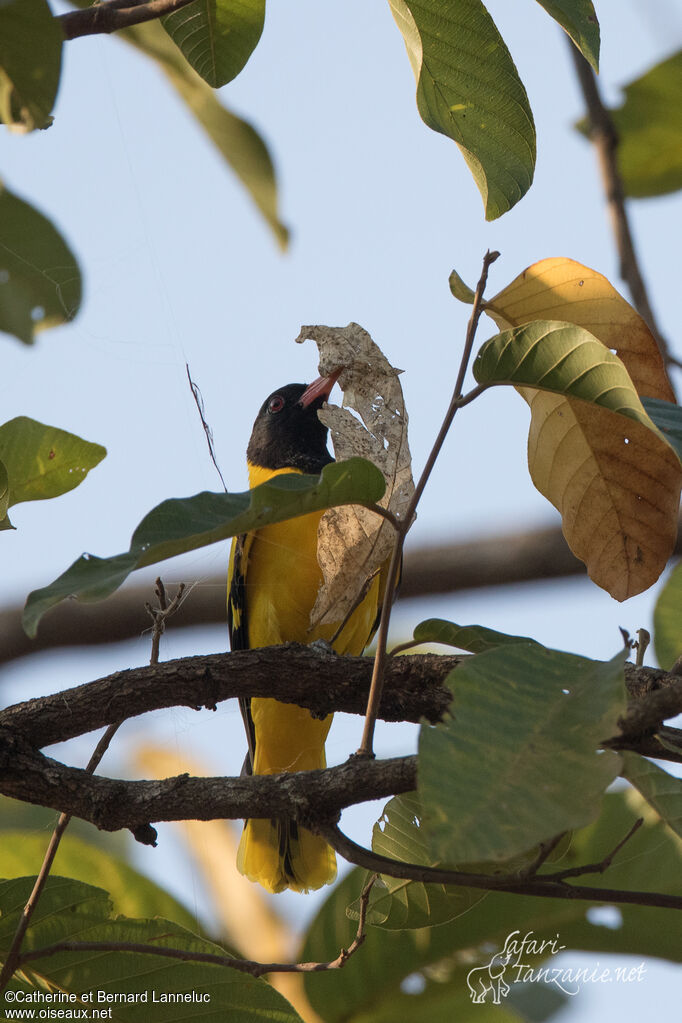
287 433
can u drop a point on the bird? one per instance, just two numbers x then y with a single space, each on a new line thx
273 582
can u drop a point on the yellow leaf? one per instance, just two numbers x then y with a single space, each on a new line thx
615 483
562 289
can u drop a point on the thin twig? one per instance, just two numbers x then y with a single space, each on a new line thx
199 402
255 969
542 885
374 700
605 139
546 849
110 17
598 868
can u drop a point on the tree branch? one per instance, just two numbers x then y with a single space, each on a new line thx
114 15
544 886
111 804
605 139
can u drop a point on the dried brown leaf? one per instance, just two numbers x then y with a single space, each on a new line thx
354 542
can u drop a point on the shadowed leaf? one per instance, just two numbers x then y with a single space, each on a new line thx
217 37
473 638
668 620
40 282
469 89
660 789
543 774
578 18
649 131
30 63
184 524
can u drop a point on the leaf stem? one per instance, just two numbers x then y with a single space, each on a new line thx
404 525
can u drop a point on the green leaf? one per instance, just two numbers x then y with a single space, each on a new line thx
469 89
40 282
370 983
459 289
217 37
542 775
473 638
132 894
668 419
44 461
30 63
398 904
660 789
4 497
668 620
237 141
184 524
649 131
578 18
71 911
562 358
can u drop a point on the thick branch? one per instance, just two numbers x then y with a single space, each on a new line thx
111 804
114 15
290 673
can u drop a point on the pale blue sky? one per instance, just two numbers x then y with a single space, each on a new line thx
179 267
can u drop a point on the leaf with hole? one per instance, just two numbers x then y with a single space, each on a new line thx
543 774
43 461
40 282
592 450
468 88
396 904
30 63
184 524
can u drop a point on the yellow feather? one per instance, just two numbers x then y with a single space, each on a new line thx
282 579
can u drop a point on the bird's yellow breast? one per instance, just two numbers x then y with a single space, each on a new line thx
283 578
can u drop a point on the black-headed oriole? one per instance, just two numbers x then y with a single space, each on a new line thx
273 581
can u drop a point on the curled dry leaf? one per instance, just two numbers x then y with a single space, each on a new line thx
354 542
615 484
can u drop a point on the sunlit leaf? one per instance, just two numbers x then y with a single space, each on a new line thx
562 289
133 894
40 282
473 638
217 37
43 461
649 130
238 142
468 88
543 774
592 450
184 524
71 911
660 789
30 63
579 20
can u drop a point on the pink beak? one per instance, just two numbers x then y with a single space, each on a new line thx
320 388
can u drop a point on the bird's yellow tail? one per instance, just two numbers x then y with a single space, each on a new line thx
279 854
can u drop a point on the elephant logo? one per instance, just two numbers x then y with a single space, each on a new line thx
490 978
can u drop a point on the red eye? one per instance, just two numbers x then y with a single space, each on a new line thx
276 403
